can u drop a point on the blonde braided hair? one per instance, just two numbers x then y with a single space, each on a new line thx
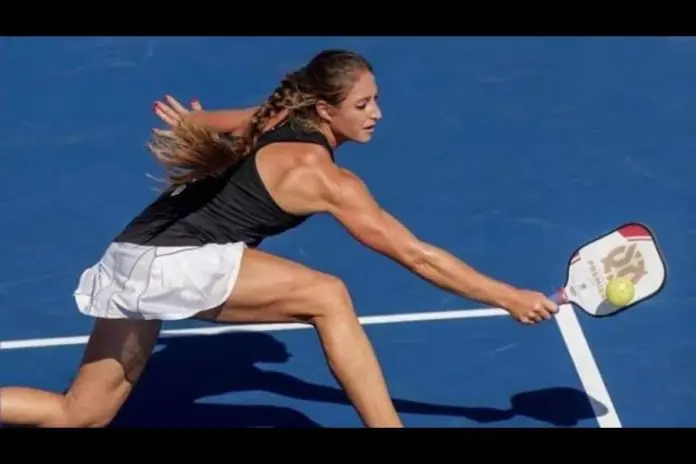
190 151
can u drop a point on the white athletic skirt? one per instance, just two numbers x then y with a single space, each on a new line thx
166 283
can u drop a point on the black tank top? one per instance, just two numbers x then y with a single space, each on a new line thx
232 207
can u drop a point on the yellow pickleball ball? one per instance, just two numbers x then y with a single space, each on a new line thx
620 291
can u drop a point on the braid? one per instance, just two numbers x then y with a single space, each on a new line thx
291 95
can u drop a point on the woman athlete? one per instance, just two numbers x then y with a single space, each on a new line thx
237 177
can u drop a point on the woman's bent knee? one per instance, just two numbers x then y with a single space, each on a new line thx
83 420
70 412
114 360
78 415
330 297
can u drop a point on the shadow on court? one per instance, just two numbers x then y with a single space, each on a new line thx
188 369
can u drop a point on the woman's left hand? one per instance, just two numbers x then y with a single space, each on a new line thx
171 111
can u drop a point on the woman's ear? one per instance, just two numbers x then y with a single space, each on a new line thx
324 110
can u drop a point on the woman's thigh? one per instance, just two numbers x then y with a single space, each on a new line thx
274 289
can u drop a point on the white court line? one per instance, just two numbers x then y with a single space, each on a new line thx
566 319
586 367
215 330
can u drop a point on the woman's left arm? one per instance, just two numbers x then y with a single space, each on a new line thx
229 120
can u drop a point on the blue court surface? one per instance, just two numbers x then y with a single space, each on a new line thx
509 152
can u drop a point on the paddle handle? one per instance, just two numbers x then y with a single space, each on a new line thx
559 297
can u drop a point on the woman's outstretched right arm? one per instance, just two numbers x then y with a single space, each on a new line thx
316 185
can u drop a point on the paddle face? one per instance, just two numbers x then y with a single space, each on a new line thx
630 250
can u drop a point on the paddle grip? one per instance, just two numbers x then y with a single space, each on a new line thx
559 296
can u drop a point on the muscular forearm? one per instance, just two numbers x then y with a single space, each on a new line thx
451 274
223 120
